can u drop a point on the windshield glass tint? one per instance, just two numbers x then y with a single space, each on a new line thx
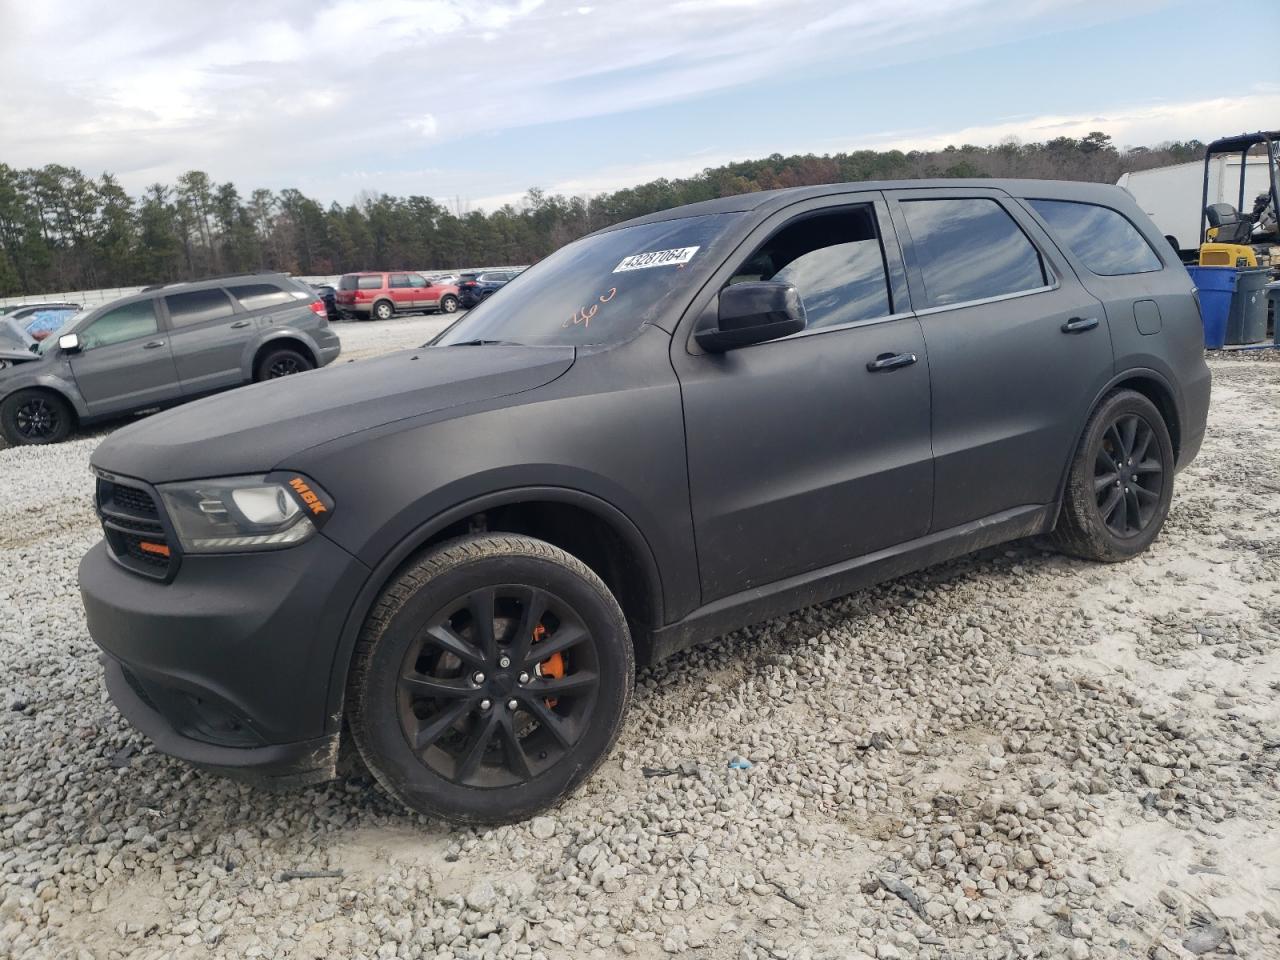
599 289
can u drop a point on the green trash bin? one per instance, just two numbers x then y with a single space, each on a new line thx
1273 310
1247 321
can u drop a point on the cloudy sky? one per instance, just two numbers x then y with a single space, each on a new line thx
478 100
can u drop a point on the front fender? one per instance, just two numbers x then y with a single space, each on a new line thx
36 374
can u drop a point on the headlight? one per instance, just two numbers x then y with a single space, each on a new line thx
231 514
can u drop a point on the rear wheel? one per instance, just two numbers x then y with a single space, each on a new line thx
35 416
282 362
1121 481
490 680
383 310
449 304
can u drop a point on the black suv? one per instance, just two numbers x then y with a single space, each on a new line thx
455 556
163 346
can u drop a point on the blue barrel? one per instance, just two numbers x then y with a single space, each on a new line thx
1217 285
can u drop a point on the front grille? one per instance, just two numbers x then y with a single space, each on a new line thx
134 530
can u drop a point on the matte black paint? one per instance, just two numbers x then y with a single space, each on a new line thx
744 483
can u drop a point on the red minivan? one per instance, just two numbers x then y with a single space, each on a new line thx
373 295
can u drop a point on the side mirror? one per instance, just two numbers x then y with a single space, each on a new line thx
69 343
753 312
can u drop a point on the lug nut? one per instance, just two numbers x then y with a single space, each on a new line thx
477 677
504 662
486 704
523 678
513 704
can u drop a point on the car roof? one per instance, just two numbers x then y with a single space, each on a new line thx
764 202
218 281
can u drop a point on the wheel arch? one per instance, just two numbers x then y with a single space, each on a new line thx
1152 385
589 528
71 398
281 339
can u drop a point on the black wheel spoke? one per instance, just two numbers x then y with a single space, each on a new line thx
1149 466
1144 442
1117 444
441 722
575 682
1108 506
565 637
517 759
1122 513
476 746
451 688
481 605
1142 493
443 636
549 720
1128 431
533 604
1104 480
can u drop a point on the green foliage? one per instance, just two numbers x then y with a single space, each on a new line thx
61 230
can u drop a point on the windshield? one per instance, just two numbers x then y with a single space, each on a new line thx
51 341
599 289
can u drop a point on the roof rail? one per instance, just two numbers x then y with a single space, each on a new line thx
220 276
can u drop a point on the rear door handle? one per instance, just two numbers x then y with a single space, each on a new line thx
153 344
891 361
1079 324
240 323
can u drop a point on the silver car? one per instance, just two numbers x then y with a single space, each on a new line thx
161 347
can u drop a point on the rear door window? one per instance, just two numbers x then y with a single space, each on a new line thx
398 281
969 248
256 296
1104 239
370 283
198 306
129 322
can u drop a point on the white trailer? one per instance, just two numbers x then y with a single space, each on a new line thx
1171 195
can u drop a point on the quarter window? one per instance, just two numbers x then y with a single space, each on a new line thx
198 306
370 283
970 249
1104 240
835 261
255 296
129 322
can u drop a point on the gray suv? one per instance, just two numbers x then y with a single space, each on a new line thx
160 347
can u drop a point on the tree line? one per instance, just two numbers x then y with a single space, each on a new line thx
63 230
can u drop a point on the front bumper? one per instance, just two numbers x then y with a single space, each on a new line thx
228 666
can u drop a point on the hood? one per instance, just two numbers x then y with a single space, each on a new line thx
252 429
14 337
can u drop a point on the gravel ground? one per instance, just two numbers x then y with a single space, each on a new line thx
1012 755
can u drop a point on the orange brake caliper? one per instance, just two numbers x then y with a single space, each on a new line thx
552 667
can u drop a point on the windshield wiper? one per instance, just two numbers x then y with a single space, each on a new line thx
485 343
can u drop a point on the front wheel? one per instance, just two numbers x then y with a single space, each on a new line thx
34 417
490 680
449 304
1121 481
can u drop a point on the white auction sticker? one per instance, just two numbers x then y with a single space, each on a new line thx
656 258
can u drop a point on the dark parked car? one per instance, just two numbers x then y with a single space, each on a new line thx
328 296
375 295
40 319
455 556
163 346
478 287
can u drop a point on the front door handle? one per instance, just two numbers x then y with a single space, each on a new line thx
153 344
891 361
1079 324
240 323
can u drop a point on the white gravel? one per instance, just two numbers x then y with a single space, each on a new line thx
1013 755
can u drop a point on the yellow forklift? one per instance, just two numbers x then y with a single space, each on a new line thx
1228 236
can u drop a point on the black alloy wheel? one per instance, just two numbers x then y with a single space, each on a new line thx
1120 481
1129 475
490 679
35 416
283 365
37 419
498 686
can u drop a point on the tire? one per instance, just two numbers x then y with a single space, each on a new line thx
1111 521
449 304
382 310
279 362
29 417
424 668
